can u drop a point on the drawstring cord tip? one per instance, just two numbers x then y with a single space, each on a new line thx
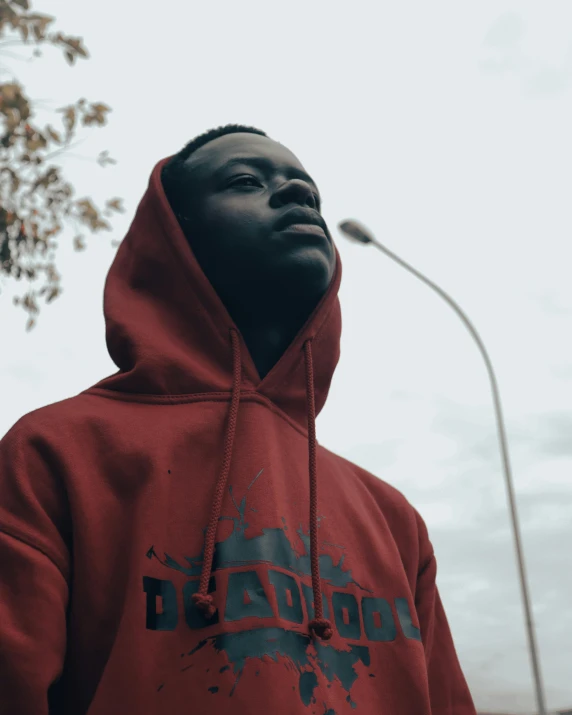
322 628
204 604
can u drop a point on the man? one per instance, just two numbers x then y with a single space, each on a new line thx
174 539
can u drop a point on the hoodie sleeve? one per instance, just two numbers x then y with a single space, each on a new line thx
448 688
34 574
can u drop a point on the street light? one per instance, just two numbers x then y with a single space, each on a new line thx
357 232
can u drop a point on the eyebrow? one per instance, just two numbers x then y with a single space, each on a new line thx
265 164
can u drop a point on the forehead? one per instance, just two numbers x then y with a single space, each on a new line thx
216 153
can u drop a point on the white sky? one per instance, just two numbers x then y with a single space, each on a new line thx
445 128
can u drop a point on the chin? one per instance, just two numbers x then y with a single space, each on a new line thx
310 275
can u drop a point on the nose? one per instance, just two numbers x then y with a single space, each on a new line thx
297 191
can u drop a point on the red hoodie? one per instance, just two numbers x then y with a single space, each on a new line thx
163 534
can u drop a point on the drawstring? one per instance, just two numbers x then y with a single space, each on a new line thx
203 600
320 625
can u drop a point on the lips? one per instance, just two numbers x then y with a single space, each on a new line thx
300 216
305 229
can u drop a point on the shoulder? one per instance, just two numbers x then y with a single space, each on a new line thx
50 424
404 521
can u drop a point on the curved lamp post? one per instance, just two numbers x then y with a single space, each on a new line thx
356 232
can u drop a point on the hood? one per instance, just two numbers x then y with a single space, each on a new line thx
168 331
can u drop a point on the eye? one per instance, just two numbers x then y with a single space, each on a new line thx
246 177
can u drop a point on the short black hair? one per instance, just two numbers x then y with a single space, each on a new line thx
171 172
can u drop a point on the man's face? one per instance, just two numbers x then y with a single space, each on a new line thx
234 191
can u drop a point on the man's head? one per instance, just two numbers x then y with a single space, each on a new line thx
231 213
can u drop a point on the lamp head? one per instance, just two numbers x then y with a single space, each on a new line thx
355 231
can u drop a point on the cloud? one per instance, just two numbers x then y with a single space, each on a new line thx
562 372
474 430
549 304
551 434
502 43
505 32
548 80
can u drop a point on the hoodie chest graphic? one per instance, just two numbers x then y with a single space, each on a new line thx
264 577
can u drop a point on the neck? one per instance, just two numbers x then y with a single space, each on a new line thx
269 333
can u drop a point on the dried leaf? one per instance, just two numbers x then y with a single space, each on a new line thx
103 159
69 118
75 44
9 91
115 204
100 223
78 243
54 135
37 141
101 108
54 292
12 119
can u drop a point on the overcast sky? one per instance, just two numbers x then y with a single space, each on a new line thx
445 127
